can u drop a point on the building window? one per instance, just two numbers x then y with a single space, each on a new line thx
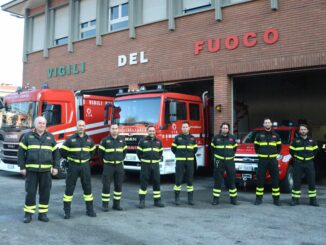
194 112
61 26
38 32
118 15
154 10
194 6
231 2
87 18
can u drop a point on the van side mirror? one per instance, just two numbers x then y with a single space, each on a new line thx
173 111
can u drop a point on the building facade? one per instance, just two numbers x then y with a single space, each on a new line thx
227 45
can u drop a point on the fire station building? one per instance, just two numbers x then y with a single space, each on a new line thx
256 58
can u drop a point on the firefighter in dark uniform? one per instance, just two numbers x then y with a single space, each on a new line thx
268 146
150 151
224 147
303 149
184 148
78 149
112 151
38 157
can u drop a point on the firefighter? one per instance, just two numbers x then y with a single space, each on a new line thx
224 147
267 146
78 149
150 151
112 151
184 148
303 149
38 158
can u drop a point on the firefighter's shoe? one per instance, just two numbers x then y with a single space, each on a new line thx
43 217
259 200
177 197
141 201
294 201
89 209
313 202
105 206
276 202
158 203
27 218
191 198
66 209
233 200
216 201
116 205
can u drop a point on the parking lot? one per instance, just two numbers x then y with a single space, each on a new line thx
200 224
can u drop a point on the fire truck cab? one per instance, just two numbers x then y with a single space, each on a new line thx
246 159
166 111
61 108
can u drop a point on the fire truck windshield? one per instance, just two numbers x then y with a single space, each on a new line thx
284 134
18 115
138 111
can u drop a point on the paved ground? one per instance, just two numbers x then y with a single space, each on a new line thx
201 224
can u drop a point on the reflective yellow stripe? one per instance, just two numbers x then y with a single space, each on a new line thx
88 148
157 194
105 197
190 188
29 209
117 195
267 156
223 158
67 198
42 208
141 192
311 148
184 158
38 166
216 192
233 192
149 161
279 142
41 147
77 160
120 149
181 147
268 143
259 191
276 192
139 148
88 198
101 147
296 194
304 158
114 162
177 188
174 144
22 145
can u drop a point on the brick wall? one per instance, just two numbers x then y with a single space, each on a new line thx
301 25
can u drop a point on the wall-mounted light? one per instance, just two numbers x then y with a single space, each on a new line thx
218 108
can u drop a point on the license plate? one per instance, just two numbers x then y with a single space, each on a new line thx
10 166
246 176
131 158
244 167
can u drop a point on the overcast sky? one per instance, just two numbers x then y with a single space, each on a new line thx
11 46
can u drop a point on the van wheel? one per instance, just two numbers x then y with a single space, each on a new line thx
287 184
62 171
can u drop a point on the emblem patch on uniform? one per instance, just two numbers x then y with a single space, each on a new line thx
89 140
73 140
218 139
192 138
262 135
120 141
231 139
48 137
179 138
145 141
310 140
31 137
298 141
108 141
274 136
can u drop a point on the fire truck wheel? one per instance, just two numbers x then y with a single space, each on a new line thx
62 171
287 183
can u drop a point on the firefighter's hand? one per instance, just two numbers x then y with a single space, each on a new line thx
54 171
23 172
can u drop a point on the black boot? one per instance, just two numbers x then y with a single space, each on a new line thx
216 201
276 201
105 206
66 209
89 209
43 217
294 201
141 201
313 202
191 198
177 197
259 200
233 200
28 218
158 203
116 205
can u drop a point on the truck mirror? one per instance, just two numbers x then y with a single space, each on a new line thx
173 107
106 113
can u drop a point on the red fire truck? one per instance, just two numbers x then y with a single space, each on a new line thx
61 108
166 111
246 159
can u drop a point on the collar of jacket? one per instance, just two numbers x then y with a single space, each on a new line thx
75 135
111 138
36 134
150 138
